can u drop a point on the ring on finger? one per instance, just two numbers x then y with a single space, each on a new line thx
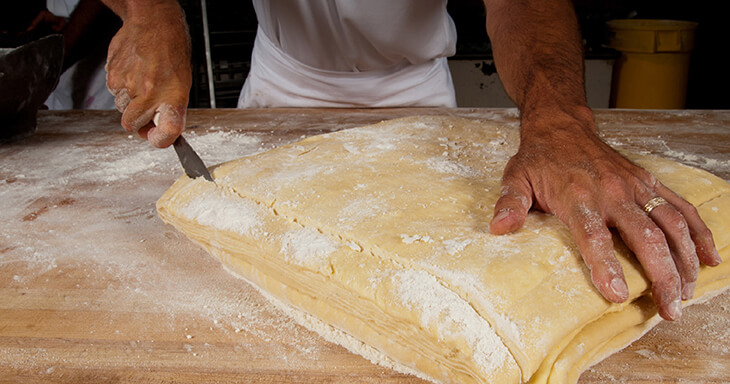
653 203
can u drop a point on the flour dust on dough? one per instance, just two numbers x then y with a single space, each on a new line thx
379 234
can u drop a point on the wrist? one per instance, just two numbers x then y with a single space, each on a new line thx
556 119
150 10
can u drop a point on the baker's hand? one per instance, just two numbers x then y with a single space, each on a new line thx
562 167
148 71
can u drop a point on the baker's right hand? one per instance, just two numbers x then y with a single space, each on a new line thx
148 71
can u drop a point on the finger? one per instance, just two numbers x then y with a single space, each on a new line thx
114 78
701 235
513 204
137 114
122 100
168 127
648 243
680 244
595 243
145 130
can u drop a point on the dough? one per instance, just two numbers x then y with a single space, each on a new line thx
381 233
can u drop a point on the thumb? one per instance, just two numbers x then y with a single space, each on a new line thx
514 202
169 124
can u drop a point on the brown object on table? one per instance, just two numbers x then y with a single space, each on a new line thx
95 288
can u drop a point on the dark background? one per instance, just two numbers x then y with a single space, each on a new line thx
233 28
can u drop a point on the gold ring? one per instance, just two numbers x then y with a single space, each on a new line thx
653 203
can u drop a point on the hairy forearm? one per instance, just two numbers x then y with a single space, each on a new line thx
164 16
538 53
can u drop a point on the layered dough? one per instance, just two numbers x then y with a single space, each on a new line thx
381 233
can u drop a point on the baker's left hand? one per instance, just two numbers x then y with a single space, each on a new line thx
564 168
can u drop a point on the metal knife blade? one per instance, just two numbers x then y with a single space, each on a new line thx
191 162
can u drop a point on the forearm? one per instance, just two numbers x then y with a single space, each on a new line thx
159 15
538 53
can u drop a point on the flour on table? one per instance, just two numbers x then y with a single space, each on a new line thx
711 164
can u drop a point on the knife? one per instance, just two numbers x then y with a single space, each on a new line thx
191 162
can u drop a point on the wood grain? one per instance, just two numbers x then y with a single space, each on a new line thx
94 288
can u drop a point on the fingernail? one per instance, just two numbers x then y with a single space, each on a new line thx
716 256
688 291
674 310
503 213
619 288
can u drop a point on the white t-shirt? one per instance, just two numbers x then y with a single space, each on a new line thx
83 85
351 53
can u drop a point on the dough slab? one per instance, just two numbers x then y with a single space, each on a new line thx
379 235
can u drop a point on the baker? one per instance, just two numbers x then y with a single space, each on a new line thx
386 53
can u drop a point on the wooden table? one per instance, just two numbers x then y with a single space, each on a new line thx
95 288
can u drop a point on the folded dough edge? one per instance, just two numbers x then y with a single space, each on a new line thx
221 242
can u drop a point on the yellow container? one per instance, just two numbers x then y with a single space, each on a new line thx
652 70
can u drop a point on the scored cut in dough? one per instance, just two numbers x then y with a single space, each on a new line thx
381 233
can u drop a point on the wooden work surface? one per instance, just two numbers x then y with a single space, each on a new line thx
95 288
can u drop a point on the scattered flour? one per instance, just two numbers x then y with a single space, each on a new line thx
223 211
473 287
307 247
117 168
407 239
360 210
108 236
455 246
334 335
451 317
349 147
379 140
216 146
447 166
713 165
647 353
657 144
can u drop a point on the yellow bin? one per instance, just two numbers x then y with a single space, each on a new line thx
652 70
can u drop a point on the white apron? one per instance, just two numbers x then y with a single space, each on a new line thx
334 54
